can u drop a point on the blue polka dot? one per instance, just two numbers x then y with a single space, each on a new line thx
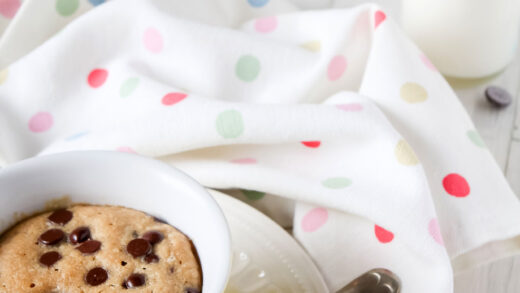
96 2
76 136
257 3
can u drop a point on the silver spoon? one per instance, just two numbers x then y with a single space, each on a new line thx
374 281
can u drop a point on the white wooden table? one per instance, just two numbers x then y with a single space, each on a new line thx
500 129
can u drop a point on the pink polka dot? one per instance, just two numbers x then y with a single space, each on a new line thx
337 67
97 77
244 161
126 149
153 40
428 63
312 144
435 231
266 24
173 98
456 185
379 17
384 236
40 122
8 8
314 219
352 107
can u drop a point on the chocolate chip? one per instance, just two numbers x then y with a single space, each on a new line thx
60 217
191 290
123 263
79 235
90 246
135 280
150 258
138 247
51 237
153 237
50 258
32 285
96 276
498 96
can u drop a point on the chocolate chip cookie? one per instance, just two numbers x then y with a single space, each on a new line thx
89 248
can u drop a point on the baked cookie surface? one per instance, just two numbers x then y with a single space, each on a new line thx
89 248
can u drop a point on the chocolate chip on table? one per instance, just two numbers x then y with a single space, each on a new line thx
89 246
498 96
79 235
138 247
50 258
151 258
135 280
191 290
96 276
60 217
153 237
51 237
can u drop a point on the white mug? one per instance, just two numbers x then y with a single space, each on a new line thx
114 178
464 38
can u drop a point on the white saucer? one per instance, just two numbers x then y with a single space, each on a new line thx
266 259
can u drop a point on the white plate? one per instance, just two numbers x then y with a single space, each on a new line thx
266 259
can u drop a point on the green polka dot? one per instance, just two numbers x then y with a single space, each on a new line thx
336 182
230 124
67 7
247 68
253 194
475 138
128 87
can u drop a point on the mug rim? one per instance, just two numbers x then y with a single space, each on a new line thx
172 178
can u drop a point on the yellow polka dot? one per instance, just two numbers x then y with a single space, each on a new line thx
231 289
405 154
412 92
3 76
314 46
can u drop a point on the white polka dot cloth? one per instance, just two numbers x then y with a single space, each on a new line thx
331 121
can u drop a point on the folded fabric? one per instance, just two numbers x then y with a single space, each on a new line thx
334 110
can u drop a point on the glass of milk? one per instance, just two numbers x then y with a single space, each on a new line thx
464 38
